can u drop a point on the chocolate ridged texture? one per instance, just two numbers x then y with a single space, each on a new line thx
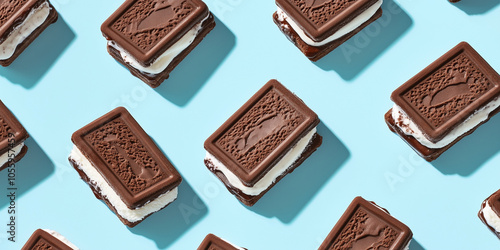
126 157
9 125
257 136
367 226
319 19
41 240
146 28
212 242
448 91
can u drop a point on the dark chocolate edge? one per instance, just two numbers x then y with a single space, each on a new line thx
18 157
52 18
155 80
429 154
321 51
212 238
97 194
483 219
51 239
250 200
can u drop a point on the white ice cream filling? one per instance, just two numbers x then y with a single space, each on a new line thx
61 238
347 28
35 18
410 128
16 150
237 247
491 217
290 157
162 62
132 215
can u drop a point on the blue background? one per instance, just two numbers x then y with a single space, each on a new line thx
66 79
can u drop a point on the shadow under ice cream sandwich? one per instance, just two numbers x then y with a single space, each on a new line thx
445 102
124 167
212 242
365 225
20 23
267 138
151 37
490 213
12 137
317 27
43 239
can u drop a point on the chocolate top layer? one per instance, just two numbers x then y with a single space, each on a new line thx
146 28
41 240
12 12
258 135
319 19
448 91
212 242
11 131
126 157
367 226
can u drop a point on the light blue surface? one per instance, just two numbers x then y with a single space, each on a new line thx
66 79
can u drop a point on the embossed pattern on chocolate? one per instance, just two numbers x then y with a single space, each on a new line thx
126 157
366 226
448 91
149 21
146 28
10 124
261 130
255 138
212 242
319 19
41 240
9 7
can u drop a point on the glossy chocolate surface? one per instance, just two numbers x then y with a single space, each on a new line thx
41 240
126 157
258 135
319 19
364 225
212 242
146 28
9 125
448 91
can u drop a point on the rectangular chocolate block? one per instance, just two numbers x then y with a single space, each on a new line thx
150 37
446 101
364 225
127 160
212 242
22 21
246 151
43 239
490 213
12 137
317 27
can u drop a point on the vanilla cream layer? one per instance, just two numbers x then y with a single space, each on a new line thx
491 217
16 150
410 128
61 238
237 247
132 215
267 180
347 28
35 18
162 62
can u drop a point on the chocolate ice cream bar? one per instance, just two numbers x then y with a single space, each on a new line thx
12 137
124 167
212 242
48 239
445 102
364 225
267 138
317 27
150 37
20 23
490 213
